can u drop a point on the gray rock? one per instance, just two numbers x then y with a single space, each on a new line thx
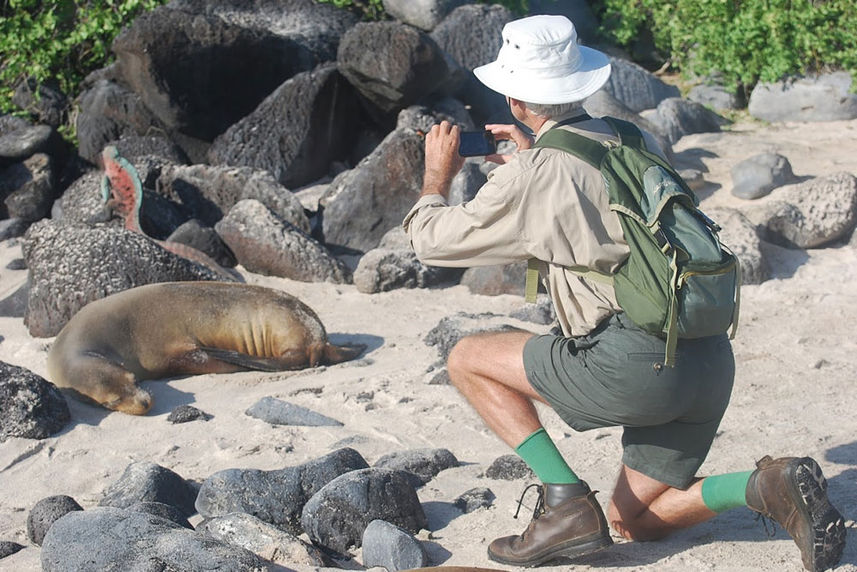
740 235
466 183
13 228
186 413
32 407
602 103
20 139
197 94
205 239
425 464
276 497
362 204
209 192
676 117
279 412
497 279
391 547
15 304
716 97
509 468
694 178
132 147
760 174
451 329
826 97
298 131
474 499
424 14
266 244
72 265
578 11
336 516
541 312
263 539
384 269
471 35
28 188
43 99
635 87
8 548
317 26
165 511
45 512
113 539
144 481
391 64
107 113
808 215
422 117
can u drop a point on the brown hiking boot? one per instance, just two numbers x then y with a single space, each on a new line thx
567 522
793 492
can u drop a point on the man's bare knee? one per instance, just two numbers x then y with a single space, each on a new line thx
460 359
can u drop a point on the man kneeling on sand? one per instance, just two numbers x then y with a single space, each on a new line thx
603 370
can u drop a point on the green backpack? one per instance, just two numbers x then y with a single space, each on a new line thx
679 281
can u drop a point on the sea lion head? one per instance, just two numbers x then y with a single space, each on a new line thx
131 399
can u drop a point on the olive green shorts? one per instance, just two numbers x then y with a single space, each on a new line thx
614 376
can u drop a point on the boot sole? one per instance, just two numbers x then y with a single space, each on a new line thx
560 551
809 493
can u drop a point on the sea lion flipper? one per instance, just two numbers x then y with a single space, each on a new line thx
243 360
336 354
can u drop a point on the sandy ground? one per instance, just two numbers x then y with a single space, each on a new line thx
794 394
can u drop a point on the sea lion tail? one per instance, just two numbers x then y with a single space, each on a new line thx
335 354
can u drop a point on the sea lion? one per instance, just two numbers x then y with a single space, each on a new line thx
184 328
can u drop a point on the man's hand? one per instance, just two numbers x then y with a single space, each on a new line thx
442 159
508 133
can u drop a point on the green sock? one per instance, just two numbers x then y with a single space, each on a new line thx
542 456
722 492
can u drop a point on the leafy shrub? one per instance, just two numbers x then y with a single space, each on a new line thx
744 41
63 40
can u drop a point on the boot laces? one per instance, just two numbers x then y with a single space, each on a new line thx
540 502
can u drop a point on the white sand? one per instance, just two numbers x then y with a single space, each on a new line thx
794 394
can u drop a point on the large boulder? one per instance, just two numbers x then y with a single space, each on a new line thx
107 112
315 25
223 73
675 117
28 188
144 481
362 204
826 97
266 244
636 87
30 406
208 192
72 265
391 64
425 14
810 214
740 235
307 123
278 496
471 35
108 538
337 515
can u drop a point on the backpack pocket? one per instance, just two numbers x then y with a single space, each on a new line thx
707 298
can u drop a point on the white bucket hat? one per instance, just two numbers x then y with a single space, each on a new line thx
541 62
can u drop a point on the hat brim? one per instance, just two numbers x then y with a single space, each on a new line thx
591 76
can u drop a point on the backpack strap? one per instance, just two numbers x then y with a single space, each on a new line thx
629 134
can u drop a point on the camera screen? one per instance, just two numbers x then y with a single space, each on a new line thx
476 143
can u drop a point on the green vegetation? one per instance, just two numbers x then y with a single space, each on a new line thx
745 41
63 40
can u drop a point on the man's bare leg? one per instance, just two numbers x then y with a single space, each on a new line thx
488 369
643 508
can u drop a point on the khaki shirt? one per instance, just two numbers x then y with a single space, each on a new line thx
544 204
